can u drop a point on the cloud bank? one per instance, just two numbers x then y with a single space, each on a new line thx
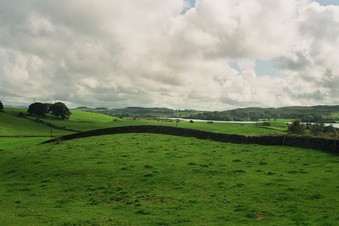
166 53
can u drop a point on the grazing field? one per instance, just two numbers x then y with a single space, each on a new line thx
12 125
17 131
15 142
82 121
335 115
144 179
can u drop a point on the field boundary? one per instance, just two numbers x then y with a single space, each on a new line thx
325 144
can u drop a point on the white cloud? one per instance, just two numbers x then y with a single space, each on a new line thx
162 53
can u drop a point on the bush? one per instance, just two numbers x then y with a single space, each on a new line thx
296 127
21 114
330 129
317 128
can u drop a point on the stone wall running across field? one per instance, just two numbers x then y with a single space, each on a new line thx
324 144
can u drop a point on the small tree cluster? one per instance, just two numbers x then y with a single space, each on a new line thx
1 106
58 109
38 109
315 129
296 127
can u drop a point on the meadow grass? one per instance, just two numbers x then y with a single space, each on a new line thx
15 142
83 121
144 179
12 125
335 115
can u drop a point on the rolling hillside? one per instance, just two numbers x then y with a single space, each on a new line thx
144 179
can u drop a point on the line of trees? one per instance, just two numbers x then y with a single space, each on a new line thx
305 114
58 109
297 127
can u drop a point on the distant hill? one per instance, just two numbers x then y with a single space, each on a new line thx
321 113
142 112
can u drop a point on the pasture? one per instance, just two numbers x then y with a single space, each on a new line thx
147 179
82 121
29 131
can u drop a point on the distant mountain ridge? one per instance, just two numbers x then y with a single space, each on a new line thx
318 113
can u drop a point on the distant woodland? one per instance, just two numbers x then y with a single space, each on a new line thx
326 114
323 113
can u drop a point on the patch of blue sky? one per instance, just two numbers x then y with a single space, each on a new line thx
328 2
190 4
262 67
234 65
265 68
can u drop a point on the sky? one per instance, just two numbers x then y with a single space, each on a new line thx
180 54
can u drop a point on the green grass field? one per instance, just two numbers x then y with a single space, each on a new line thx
144 179
16 131
335 115
82 121
11 125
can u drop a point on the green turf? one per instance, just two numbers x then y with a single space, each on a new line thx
335 115
82 121
143 179
12 125
11 142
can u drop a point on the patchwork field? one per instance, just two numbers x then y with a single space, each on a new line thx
144 179
31 132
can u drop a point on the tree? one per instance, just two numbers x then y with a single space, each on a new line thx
317 128
296 127
60 110
330 129
1 106
37 108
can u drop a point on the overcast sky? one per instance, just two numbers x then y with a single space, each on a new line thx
204 54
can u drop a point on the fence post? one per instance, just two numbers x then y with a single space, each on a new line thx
335 145
284 140
308 138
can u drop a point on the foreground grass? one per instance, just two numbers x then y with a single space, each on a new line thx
143 179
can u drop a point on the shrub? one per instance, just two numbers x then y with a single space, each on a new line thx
317 128
329 129
296 127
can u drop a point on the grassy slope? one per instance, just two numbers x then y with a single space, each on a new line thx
335 115
242 129
11 125
82 121
142 179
